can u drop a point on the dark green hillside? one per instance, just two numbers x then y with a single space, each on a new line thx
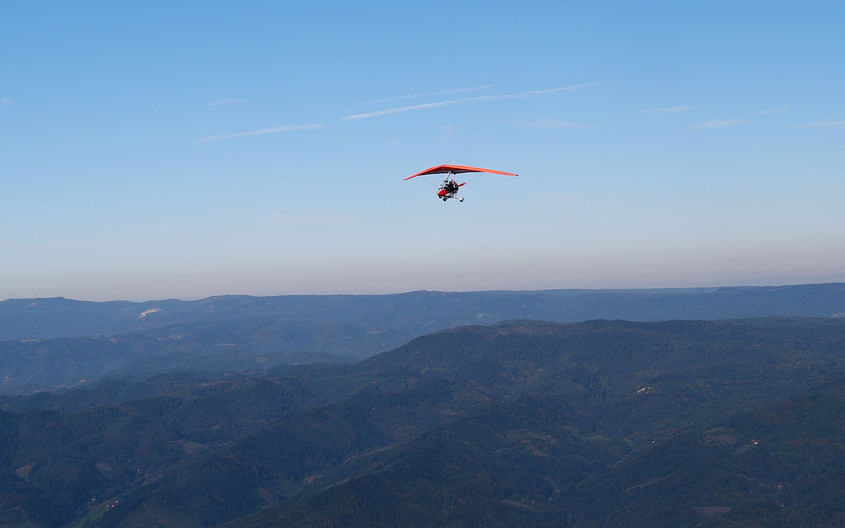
589 377
59 462
505 467
604 423
581 445
780 465
519 466
274 464
666 369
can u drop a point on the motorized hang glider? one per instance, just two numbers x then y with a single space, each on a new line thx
449 187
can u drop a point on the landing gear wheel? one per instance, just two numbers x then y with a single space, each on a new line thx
461 199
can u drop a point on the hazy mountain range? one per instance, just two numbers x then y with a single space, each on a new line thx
420 311
48 344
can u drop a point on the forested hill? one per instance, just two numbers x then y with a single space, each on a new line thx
603 423
420 312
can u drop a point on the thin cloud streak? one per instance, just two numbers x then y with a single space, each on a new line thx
668 109
226 101
430 94
262 131
546 91
476 99
719 123
416 107
823 124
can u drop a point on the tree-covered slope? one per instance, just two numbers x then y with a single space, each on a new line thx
604 423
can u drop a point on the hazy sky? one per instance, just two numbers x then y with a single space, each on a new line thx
184 149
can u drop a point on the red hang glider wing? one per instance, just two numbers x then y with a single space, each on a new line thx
455 169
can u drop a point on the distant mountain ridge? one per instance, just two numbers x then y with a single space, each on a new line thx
421 312
50 344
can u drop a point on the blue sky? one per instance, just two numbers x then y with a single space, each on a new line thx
152 150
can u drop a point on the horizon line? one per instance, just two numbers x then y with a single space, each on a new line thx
406 292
